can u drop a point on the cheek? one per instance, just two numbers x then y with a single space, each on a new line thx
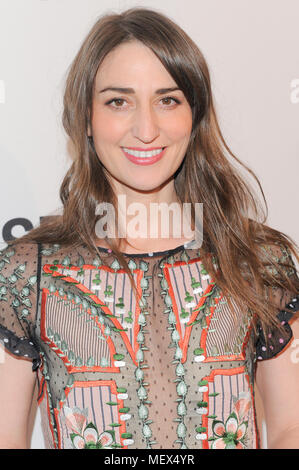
107 128
180 126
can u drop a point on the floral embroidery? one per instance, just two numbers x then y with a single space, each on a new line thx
195 426
233 433
86 436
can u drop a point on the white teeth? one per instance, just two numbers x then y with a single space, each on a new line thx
136 153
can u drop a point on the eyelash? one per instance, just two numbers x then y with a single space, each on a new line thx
121 99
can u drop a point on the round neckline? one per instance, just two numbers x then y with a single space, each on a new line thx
151 254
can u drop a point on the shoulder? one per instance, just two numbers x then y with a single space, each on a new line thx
19 258
23 260
278 259
278 251
18 275
18 289
272 247
69 256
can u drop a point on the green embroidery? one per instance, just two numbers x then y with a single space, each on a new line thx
232 434
139 376
49 251
108 294
20 296
181 387
86 436
129 318
96 281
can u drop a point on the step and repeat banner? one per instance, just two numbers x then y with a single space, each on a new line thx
251 47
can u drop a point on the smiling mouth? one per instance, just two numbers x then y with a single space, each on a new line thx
141 153
144 157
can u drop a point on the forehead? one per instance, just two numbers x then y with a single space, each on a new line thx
132 61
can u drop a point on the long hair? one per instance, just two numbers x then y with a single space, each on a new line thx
235 233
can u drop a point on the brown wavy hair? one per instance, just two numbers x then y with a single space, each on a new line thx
247 271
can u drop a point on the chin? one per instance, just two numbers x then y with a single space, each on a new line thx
145 187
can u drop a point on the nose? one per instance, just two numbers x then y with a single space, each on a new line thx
145 126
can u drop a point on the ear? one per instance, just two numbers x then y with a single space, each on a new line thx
89 133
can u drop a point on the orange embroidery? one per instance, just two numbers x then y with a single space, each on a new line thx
184 342
210 378
104 308
70 368
225 357
254 412
96 383
46 394
41 391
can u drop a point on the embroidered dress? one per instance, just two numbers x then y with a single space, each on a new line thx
174 370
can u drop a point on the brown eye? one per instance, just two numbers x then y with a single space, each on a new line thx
115 100
119 101
169 98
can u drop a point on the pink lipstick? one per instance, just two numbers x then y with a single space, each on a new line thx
144 160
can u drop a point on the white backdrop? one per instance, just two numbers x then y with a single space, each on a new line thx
251 47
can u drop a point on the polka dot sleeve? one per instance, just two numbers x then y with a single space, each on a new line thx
19 281
276 340
271 342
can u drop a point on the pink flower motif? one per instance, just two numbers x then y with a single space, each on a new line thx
219 444
83 435
75 419
242 405
232 433
91 435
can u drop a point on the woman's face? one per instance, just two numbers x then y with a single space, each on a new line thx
142 118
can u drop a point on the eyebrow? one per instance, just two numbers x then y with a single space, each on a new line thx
161 91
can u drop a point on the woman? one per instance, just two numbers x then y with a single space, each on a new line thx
170 359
